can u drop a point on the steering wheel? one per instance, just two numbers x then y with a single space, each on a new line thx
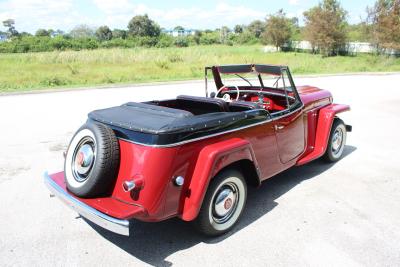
227 97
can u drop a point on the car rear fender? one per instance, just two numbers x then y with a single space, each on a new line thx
212 159
326 115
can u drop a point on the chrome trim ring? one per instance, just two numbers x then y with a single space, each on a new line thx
225 202
337 140
72 176
83 158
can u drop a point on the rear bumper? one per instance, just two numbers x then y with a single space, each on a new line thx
110 223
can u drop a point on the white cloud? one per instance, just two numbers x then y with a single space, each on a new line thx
115 6
293 2
65 14
220 14
33 14
298 14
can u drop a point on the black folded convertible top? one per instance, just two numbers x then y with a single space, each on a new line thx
153 119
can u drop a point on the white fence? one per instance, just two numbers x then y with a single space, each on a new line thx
351 47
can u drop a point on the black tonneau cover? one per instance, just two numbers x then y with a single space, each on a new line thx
148 118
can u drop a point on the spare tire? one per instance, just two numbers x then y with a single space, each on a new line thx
92 161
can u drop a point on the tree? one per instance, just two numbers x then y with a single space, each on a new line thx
296 29
358 32
256 27
51 32
42 32
24 34
325 27
179 29
384 20
278 29
9 23
104 33
238 29
117 33
223 34
295 21
143 26
197 37
58 32
81 31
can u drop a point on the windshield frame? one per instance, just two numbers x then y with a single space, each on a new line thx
258 70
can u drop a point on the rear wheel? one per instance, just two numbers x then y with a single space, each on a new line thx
336 142
92 160
223 203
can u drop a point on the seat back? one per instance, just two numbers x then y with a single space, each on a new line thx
201 105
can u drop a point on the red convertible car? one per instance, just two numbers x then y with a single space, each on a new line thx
194 157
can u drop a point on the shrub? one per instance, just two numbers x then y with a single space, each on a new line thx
118 42
181 42
165 41
162 64
54 81
147 41
245 37
209 38
60 43
175 57
90 44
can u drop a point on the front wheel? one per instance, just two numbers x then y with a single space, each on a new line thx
336 142
223 204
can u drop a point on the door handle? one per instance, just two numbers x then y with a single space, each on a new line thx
279 127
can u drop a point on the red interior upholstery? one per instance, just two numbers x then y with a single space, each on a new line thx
269 103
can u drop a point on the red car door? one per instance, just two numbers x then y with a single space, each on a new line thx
290 136
289 123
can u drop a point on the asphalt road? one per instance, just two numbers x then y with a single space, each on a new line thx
345 214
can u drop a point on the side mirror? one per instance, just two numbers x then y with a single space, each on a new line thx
212 95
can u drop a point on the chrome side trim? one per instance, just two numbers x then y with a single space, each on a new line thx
212 135
110 223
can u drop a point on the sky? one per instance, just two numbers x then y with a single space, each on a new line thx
29 15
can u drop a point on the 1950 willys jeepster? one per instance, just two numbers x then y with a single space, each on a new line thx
194 157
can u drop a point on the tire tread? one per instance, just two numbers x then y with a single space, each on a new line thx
105 170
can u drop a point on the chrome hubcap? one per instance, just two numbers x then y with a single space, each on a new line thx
83 159
337 140
225 203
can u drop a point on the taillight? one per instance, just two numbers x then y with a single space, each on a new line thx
136 183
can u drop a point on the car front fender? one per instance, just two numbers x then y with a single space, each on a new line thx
326 116
211 160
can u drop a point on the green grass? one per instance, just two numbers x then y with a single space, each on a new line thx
21 72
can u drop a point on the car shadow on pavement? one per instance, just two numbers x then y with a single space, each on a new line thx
154 242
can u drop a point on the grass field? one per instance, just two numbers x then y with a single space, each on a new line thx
21 72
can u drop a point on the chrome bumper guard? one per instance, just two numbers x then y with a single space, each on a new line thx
110 223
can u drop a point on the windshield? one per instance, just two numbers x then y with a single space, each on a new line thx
256 80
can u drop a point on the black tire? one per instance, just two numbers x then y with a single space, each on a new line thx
92 161
208 222
334 151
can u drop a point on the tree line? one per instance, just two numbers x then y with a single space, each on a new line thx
325 26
